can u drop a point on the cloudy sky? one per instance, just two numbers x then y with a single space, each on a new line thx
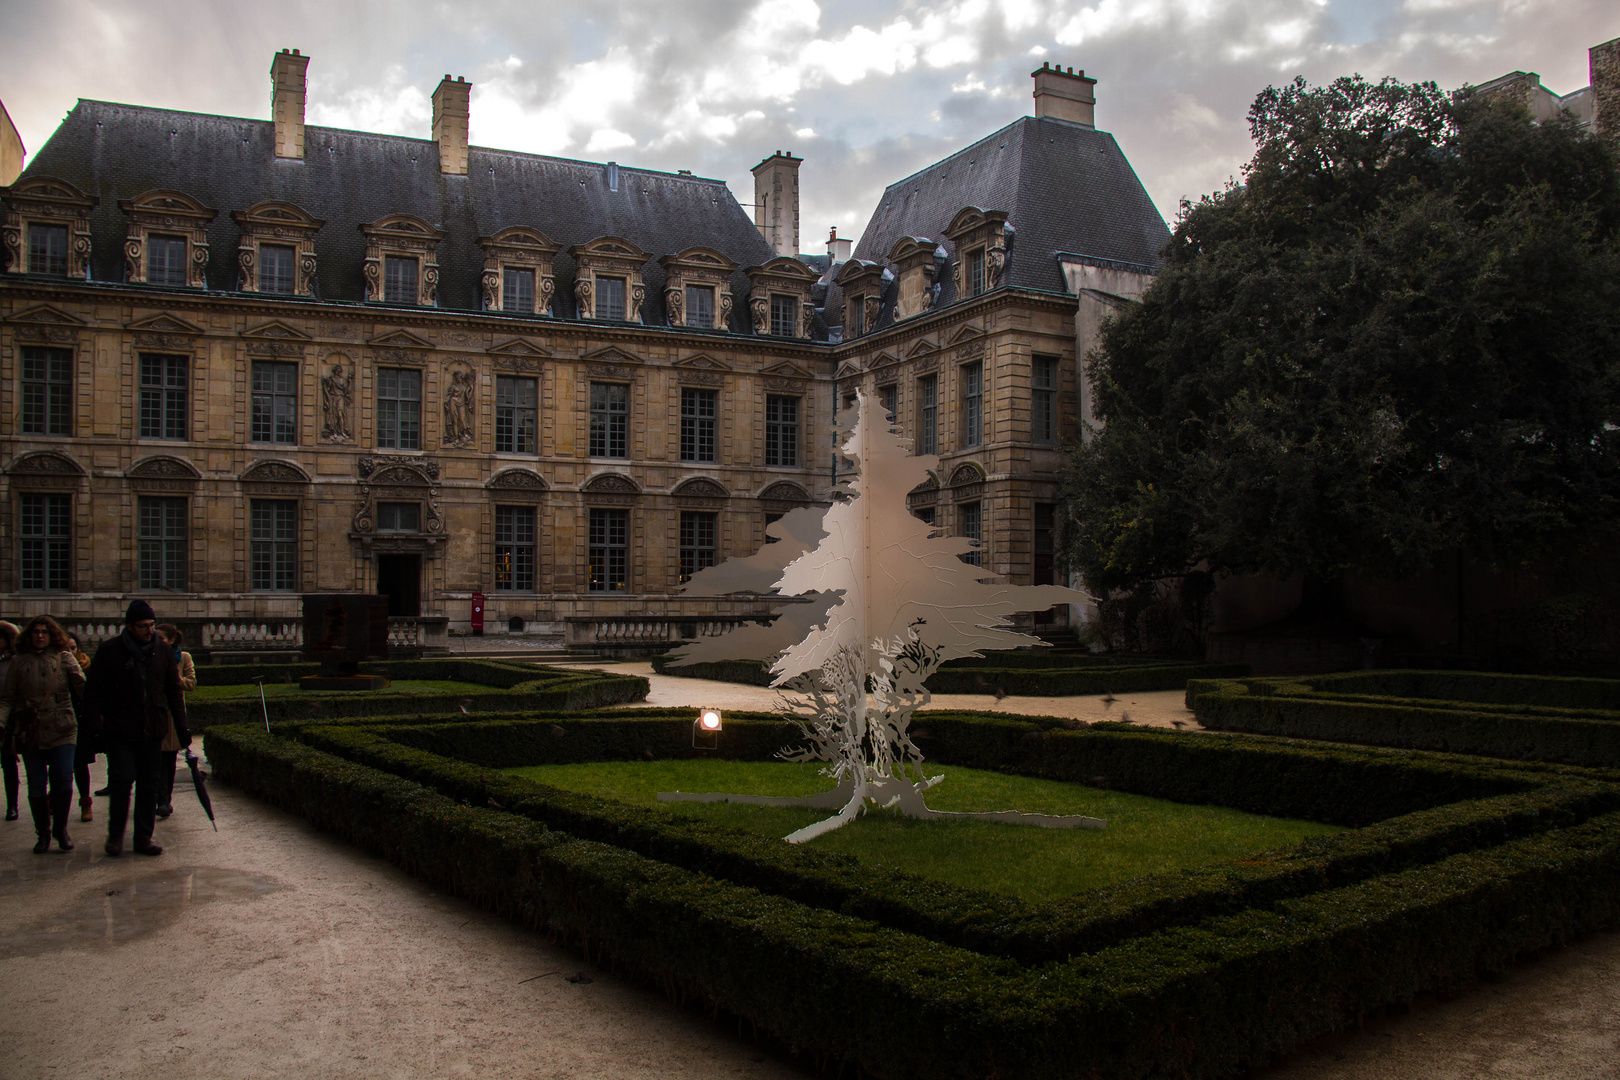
866 91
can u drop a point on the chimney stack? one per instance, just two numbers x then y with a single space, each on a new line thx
1066 95
287 87
450 112
837 248
1605 61
776 201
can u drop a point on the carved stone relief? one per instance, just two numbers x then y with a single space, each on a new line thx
337 391
458 408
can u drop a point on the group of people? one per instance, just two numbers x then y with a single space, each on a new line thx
59 709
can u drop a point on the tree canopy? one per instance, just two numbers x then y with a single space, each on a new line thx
1398 337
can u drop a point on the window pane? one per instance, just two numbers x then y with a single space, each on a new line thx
610 420
46 554
781 430
700 306
927 413
1043 570
273 544
514 548
610 298
697 542
399 280
517 290
972 405
399 408
1043 400
47 391
47 249
274 413
165 260
514 415
784 315
609 550
399 517
969 514
698 408
163 413
276 268
976 271
161 542
890 395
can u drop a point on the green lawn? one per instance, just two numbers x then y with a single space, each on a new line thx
289 689
1144 836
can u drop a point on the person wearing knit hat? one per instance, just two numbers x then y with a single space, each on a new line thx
131 697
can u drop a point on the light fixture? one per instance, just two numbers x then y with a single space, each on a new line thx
706 730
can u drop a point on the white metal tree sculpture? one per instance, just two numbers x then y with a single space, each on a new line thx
885 598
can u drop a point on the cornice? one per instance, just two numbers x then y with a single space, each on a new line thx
978 305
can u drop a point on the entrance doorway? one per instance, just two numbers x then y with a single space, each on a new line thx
399 577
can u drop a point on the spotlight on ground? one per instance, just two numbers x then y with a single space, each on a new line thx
706 730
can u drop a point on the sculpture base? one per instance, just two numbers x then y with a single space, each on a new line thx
323 683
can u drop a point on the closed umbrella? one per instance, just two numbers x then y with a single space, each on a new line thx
200 782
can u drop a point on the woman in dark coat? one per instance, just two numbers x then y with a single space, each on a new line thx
8 752
37 701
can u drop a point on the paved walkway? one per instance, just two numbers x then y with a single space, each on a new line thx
269 949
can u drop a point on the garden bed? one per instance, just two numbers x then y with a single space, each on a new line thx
1449 868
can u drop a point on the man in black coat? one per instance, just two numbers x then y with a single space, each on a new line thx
132 690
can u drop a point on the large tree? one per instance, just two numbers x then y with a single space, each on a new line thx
1398 337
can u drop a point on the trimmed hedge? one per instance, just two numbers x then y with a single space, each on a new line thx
1297 708
512 687
1203 994
1031 674
1539 691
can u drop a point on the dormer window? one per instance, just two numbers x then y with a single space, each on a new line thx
862 282
607 279
855 319
700 306
779 298
276 253
399 279
980 237
975 272
610 298
517 271
784 315
47 249
697 288
402 265
165 260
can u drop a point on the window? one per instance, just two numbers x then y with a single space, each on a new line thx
399 280
399 517
781 430
517 290
399 408
165 260
273 545
890 397
609 550
697 542
925 514
514 548
927 414
972 404
769 518
276 269
700 306
1043 400
161 542
697 424
857 318
969 517
1043 568
47 548
275 403
610 420
610 298
975 274
514 415
47 249
47 391
784 315
163 396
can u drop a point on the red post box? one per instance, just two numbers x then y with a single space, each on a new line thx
478 614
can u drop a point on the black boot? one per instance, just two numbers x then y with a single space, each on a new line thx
40 807
12 785
117 818
61 806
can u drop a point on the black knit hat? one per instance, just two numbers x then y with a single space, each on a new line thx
139 610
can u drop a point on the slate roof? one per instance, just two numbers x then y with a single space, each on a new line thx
349 178
1065 187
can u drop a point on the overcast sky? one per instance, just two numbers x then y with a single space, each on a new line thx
866 91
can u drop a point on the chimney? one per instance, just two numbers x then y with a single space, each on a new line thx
837 249
287 86
776 201
1605 60
450 124
1066 95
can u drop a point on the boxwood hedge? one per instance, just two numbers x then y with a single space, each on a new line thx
1455 867
1493 715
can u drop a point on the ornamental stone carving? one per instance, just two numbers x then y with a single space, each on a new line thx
458 408
402 236
701 488
609 256
167 213
47 469
760 308
50 203
282 224
675 306
524 249
584 300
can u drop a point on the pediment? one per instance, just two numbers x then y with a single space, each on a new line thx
923 347
164 323
787 371
404 225
911 248
163 467
48 187
45 315
612 355
274 472
168 202
970 218
785 266
521 236
970 332
857 270
520 347
707 258
701 362
785 491
611 247
45 463
278 213
517 480
848 370
967 474
276 331
400 339
611 484
399 476
702 487
884 359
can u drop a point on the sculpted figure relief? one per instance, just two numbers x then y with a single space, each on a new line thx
458 409
335 389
